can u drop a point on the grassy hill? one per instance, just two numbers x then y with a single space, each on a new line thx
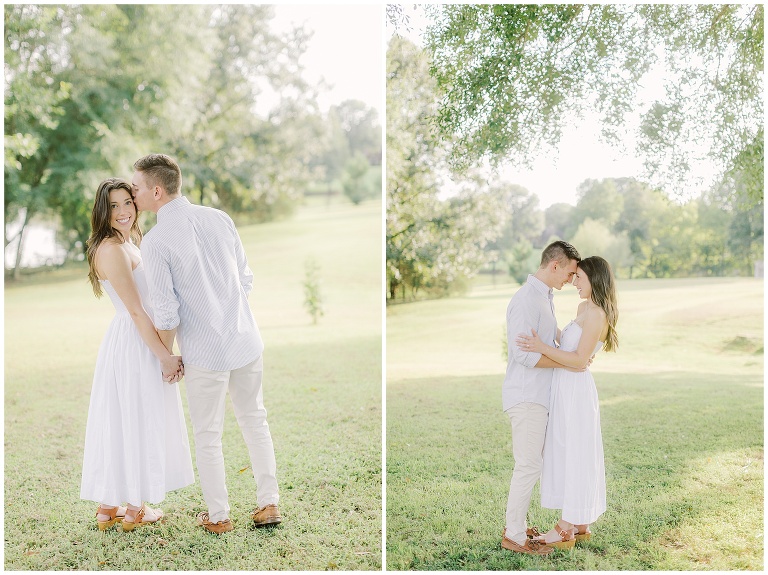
322 388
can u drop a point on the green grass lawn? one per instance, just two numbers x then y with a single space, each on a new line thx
322 390
682 419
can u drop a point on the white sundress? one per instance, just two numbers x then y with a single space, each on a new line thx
136 442
573 474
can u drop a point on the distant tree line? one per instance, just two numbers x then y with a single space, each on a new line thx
638 229
91 88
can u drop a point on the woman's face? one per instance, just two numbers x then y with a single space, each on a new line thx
581 282
122 211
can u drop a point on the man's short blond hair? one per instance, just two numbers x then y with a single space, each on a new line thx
160 170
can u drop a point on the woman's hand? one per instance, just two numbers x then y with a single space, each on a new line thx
173 369
531 342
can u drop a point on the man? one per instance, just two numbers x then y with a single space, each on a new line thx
199 281
525 394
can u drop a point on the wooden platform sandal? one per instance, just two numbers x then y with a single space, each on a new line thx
135 519
111 517
582 533
558 538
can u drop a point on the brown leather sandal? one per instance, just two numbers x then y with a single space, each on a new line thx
567 538
530 547
532 532
109 512
580 535
138 519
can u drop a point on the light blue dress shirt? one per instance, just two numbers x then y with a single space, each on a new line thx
532 307
199 281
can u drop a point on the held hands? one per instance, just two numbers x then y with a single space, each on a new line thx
173 369
531 342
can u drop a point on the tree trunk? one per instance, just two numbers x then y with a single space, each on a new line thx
20 247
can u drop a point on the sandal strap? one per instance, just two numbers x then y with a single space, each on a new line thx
565 534
138 517
111 513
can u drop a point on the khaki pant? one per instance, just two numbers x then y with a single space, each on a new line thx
529 427
206 393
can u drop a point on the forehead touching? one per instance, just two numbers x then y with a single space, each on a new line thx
569 265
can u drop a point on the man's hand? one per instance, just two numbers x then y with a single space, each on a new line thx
531 342
173 369
581 369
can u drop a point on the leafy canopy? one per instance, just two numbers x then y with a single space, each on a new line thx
513 76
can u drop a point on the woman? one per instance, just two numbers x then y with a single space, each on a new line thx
136 444
573 475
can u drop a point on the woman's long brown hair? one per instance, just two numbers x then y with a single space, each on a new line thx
101 226
604 295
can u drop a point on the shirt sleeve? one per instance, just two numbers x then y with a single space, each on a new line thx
245 273
165 303
522 317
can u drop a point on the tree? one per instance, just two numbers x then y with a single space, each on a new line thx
517 258
522 225
351 129
642 206
432 244
559 222
595 238
233 158
360 124
87 94
412 154
34 94
313 298
106 95
712 246
599 200
354 180
511 76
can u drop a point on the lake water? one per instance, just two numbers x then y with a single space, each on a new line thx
40 248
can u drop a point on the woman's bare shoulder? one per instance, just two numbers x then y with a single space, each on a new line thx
596 310
110 252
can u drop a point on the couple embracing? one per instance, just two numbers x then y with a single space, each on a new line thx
190 279
551 399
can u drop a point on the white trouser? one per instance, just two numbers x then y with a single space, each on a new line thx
529 427
206 393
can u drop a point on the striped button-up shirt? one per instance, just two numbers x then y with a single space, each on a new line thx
532 307
199 281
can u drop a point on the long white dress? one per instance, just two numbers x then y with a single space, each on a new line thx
573 474
136 442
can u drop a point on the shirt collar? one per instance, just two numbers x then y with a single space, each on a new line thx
172 206
536 284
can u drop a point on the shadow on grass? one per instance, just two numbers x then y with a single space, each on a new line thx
676 445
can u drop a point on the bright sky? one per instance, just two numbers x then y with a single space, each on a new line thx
345 49
555 175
